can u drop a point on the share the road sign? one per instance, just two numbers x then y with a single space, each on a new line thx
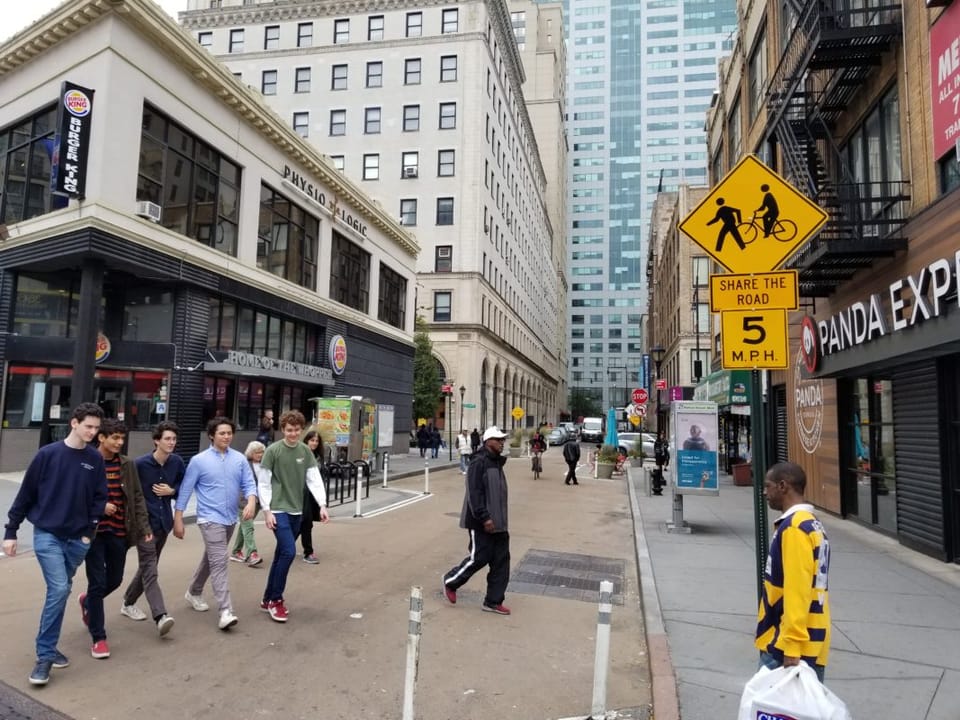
753 220
760 290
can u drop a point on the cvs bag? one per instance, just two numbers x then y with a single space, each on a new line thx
789 693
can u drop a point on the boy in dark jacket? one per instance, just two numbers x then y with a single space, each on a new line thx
484 517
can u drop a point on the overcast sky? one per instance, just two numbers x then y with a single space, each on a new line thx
18 14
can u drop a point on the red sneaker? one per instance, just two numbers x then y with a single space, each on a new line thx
450 594
264 606
83 610
500 609
100 650
278 612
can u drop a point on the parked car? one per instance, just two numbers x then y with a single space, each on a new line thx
627 440
571 429
558 436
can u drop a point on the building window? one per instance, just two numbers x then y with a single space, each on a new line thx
445 211
701 271
341 31
25 151
287 239
338 122
448 116
758 73
338 77
873 156
205 39
305 34
349 273
410 164
371 166
408 212
949 171
411 71
443 259
271 37
371 121
446 163
236 41
301 123
268 82
375 27
197 188
414 24
302 80
374 74
411 118
733 133
450 21
393 297
441 306
448 68
338 162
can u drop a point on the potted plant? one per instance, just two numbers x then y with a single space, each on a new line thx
516 442
607 461
635 453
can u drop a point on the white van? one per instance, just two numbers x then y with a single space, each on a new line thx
592 430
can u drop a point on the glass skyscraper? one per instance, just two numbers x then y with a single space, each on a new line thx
641 76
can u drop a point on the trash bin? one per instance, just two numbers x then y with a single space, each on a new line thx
742 474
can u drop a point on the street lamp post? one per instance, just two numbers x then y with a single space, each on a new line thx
697 364
660 450
450 425
463 390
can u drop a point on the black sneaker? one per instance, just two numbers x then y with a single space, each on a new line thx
60 660
41 672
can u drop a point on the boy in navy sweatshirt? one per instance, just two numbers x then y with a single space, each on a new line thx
63 494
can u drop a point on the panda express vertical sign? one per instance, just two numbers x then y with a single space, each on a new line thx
74 117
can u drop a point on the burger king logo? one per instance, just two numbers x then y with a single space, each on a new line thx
76 103
338 354
103 349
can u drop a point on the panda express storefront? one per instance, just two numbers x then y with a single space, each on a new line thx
872 398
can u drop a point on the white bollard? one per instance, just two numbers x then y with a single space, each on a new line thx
601 659
413 650
386 468
426 477
357 512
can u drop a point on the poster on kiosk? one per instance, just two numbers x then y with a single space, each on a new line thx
694 441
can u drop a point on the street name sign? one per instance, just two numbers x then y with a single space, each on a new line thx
754 339
759 290
753 220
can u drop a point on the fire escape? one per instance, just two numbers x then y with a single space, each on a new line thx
830 52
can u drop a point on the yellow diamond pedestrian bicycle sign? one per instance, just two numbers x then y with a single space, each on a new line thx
753 220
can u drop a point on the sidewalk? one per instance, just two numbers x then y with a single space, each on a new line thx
896 613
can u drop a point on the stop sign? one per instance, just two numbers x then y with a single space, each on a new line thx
639 396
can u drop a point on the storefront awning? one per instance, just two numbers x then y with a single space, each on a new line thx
725 387
233 362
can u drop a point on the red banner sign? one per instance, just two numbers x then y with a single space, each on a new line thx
945 80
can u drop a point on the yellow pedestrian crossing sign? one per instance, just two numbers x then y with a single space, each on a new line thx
753 220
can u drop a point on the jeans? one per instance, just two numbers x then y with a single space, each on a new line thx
769 661
104 563
286 531
464 461
213 564
59 559
146 581
246 537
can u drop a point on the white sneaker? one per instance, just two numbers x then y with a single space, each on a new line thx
196 602
164 625
133 612
227 619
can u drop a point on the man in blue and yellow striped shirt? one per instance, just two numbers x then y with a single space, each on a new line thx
793 622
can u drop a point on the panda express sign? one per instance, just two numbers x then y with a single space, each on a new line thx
924 295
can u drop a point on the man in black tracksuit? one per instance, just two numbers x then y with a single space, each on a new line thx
571 454
484 516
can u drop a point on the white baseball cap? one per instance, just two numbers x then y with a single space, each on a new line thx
493 432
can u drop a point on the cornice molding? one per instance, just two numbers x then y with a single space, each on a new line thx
281 11
151 22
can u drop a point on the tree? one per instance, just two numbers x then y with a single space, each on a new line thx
426 377
583 404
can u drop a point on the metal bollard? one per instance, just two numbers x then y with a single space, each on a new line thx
358 512
386 468
414 629
426 477
601 661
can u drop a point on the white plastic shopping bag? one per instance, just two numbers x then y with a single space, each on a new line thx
792 693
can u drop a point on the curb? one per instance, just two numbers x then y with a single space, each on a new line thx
663 679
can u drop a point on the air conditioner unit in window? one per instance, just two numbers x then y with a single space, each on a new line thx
149 210
410 172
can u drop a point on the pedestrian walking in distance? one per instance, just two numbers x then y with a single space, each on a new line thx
484 517
571 455
793 622
63 495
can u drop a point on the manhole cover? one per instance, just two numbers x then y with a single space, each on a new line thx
567 575
14 705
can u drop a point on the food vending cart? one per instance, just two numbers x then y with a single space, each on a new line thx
347 426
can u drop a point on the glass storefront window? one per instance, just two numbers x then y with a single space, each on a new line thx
148 315
873 469
25 397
